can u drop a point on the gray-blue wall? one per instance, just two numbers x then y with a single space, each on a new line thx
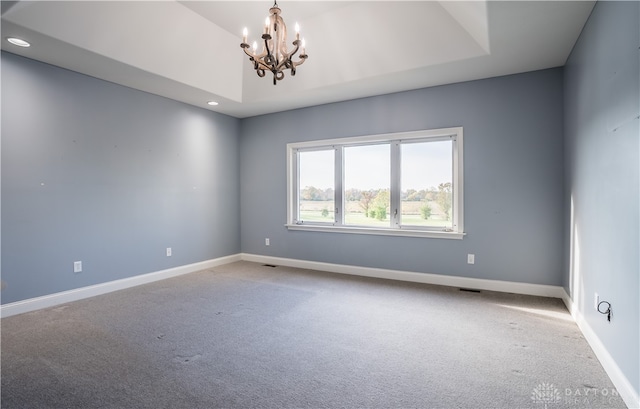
602 109
111 176
513 178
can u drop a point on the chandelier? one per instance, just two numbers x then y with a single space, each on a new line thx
274 56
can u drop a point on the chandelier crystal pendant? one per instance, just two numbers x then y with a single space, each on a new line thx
274 56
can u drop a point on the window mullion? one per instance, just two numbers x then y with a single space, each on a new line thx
456 151
454 185
395 188
339 187
296 183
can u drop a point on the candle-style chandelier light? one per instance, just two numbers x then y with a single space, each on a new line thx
274 56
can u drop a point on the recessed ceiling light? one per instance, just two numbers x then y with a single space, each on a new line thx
212 103
18 41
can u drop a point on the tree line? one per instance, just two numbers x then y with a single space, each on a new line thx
375 202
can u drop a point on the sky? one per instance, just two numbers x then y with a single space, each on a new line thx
424 165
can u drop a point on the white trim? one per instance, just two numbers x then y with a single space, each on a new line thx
46 301
620 381
434 234
458 185
455 133
387 137
424 278
630 396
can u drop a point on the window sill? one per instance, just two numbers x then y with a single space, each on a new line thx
378 232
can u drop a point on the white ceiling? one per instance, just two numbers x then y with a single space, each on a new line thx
190 50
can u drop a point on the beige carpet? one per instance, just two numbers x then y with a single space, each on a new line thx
248 336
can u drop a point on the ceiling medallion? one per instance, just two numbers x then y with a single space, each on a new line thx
274 56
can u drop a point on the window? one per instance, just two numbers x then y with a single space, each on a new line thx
316 201
406 184
367 185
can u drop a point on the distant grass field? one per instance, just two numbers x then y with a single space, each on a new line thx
311 211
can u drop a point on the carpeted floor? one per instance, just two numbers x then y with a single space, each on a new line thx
245 335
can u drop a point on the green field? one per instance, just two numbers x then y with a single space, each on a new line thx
311 211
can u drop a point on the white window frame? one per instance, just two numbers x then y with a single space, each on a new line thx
456 134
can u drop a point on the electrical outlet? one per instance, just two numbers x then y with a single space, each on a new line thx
596 300
471 258
168 251
267 242
77 266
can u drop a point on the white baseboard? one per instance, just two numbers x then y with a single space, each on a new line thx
622 384
51 300
620 381
424 278
628 393
46 301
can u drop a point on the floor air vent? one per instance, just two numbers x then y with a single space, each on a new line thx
268 265
470 290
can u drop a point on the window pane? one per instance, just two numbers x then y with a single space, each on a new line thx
366 185
316 186
426 184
